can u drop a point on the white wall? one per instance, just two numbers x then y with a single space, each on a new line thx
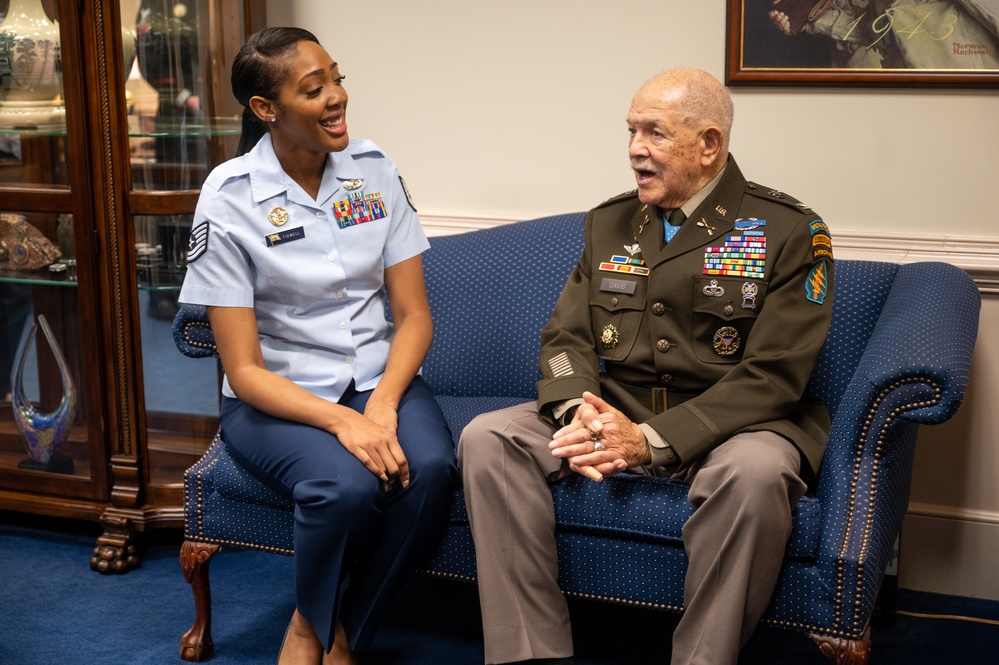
508 110
515 109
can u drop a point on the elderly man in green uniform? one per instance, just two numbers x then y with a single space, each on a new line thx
681 345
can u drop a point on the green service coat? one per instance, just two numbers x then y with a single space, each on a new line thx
734 352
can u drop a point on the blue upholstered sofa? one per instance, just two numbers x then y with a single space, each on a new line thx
897 356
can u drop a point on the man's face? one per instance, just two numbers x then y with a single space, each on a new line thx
664 154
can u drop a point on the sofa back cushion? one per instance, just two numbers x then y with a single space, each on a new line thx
491 292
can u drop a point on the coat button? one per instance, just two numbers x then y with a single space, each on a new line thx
663 345
729 310
614 301
666 379
658 309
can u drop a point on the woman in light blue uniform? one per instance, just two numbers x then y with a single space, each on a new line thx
297 246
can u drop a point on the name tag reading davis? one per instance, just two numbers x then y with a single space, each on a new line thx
296 233
617 285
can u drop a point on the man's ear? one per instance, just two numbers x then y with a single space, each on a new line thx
263 108
711 145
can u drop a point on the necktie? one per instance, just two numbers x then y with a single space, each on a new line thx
671 224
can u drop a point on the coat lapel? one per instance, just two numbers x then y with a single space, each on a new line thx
708 224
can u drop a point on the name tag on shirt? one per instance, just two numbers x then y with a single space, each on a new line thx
617 285
288 235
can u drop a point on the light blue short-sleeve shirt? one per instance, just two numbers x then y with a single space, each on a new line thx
312 270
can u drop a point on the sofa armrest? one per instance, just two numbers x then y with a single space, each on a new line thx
914 370
926 333
192 333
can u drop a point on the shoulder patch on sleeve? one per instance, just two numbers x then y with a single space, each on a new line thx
627 196
821 240
817 283
197 244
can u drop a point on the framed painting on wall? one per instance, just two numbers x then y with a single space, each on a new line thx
949 43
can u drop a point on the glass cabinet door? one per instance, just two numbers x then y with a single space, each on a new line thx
45 443
182 122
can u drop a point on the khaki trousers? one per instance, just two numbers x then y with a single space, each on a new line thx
743 493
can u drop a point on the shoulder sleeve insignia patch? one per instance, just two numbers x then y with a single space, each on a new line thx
817 283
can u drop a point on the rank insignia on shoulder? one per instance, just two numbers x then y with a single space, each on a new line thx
405 190
278 216
197 244
609 336
817 283
620 197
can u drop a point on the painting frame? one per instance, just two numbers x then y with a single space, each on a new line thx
758 52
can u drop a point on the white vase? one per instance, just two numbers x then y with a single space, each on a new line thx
30 67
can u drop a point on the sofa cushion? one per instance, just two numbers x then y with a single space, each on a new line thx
626 507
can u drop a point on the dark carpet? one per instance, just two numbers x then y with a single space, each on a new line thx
55 611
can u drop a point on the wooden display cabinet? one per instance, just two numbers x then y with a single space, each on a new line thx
112 182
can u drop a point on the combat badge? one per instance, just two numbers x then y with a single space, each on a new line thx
278 216
351 185
609 336
726 341
817 284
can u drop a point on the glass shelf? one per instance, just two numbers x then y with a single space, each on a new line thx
157 128
161 280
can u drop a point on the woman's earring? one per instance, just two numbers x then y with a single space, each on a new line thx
273 119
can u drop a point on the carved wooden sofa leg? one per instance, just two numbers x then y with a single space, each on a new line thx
840 651
196 645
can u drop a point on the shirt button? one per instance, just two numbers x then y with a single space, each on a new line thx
663 345
658 309
343 326
339 295
332 256
320 214
350 360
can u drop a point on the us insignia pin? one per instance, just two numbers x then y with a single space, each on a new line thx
278 216
351 185
609 336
